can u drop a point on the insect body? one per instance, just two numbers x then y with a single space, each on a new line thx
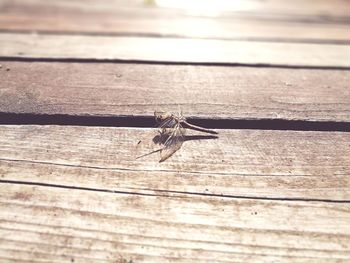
172 129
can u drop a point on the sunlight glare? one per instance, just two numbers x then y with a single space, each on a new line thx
206 7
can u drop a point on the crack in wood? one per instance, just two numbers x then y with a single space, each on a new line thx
148 122
178 194
168 62
154 171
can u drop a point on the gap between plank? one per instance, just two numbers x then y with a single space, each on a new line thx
169 63
148 122
170 193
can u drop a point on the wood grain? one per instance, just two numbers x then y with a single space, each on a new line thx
304 10
255 20
245 163
105 89
58 225
78 194
101 23
173 50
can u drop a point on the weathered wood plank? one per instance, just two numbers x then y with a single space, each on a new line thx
96 22
173 50
305 21
303 10
106 89
56 225
246 163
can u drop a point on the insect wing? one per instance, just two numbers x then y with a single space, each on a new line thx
173 142
167 123
147 144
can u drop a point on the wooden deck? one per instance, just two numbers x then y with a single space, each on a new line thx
79 82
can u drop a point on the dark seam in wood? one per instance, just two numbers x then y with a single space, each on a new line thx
148 122
177 63
115 169
173 192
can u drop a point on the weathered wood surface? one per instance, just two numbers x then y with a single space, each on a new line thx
300 10
326 24
173 50
245 163
104 89
185 27
61 225
77 194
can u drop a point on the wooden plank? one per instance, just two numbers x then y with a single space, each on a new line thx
246 163
97 22
323 10
302 21
55 225
106 89
173 50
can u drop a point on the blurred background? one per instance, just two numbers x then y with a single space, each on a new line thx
265 20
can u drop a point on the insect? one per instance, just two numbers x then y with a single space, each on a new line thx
171 133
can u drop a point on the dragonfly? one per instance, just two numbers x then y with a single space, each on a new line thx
171 133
